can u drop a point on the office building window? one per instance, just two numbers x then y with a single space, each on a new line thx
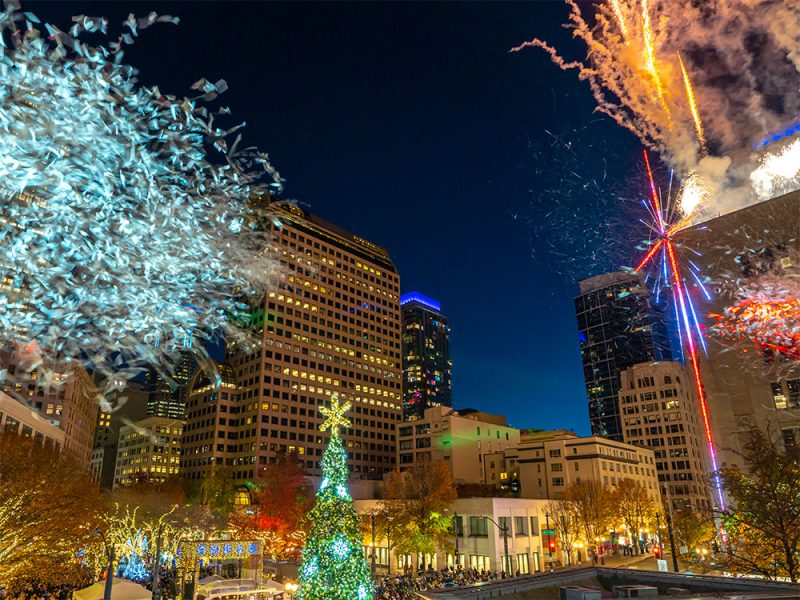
535 526
505 524
479 561
793 386
522 564
478 527
459 526
520 526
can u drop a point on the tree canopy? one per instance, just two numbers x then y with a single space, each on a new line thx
762 521
49 512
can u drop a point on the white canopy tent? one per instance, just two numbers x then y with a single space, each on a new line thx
121 589
239 588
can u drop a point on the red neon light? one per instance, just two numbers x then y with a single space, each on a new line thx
695 365
650 254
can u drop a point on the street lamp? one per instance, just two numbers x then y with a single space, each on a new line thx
455 530
504 529
157 566
672 544
372 548
110 569
547 525
658 531
291 587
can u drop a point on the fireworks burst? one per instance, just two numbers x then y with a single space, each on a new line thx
667 222
778 172
640 54
119 233
770 324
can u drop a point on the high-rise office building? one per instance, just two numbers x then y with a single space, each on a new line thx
330 325
619 326
427 368
660 411
167 392
149 451
212 423
759 387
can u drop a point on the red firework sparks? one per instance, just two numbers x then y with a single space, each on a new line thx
771 324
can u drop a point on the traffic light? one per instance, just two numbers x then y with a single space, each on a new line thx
552 547
657 552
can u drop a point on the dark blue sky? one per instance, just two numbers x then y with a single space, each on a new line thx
411 125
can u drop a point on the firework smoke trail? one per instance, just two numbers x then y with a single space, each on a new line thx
745 71
698 125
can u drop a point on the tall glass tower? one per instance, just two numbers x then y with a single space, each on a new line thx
619 326
427 369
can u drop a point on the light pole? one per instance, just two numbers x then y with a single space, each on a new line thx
672 544
658 531
110 568
547 525
504 529
157 566
455 530
372 546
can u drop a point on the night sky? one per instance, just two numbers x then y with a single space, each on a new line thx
411 125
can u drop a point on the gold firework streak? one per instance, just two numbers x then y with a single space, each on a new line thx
698 125
620 19
651 58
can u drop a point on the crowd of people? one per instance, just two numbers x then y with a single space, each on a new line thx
405 587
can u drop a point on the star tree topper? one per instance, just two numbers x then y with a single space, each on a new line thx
335 418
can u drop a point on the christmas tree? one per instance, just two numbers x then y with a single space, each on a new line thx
334 567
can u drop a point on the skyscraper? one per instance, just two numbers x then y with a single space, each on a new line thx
330 324
619 326
427 368
167 395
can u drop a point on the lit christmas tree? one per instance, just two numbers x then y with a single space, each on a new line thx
334 567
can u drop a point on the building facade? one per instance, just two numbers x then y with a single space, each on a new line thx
17 418
330 325
149 450
478 540
125 404
660 411
748 384
210 433
427 369
167 392
69 402
619 325
462 439
546 463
